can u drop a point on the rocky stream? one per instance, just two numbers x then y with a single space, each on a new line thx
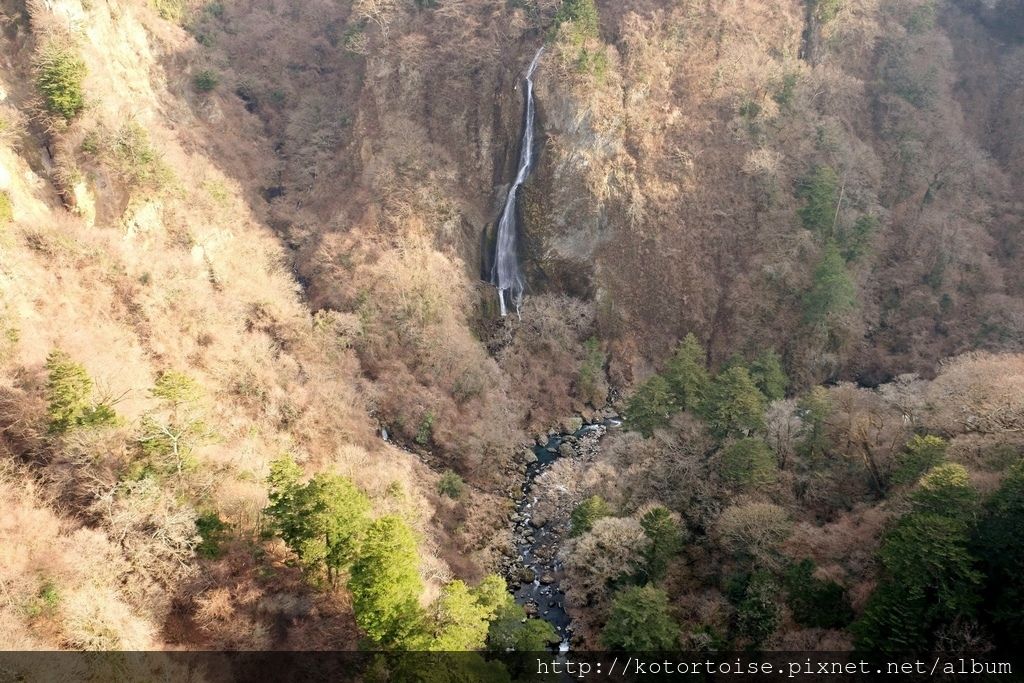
541 522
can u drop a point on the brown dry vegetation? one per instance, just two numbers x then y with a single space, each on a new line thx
135 248
285 201
678 171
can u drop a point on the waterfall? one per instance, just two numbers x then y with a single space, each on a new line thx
505 272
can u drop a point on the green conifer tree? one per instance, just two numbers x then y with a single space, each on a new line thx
734 406
386 586
687 375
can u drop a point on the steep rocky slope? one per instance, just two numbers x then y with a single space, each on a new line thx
692 161
681 144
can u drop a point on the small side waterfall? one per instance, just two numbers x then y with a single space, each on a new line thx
505 272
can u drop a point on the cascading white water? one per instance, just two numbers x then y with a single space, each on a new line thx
505 272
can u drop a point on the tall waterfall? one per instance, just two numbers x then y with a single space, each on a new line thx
505 272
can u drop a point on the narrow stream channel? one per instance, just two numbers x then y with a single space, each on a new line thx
535 575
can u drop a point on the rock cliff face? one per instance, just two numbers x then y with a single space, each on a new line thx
675 185
679 149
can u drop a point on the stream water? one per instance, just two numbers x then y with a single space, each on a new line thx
506 274
535 575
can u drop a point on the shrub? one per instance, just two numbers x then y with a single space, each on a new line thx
60 74
211 529
99 620
824 10
820 192
639 622
171 10
590 384
45 602
132 155
69 392
593 62
906 77
7 127
582 14
451 485
425 432
921 19
748 463
854 241
176 389
6 208
577 27
206 80
785 89
586 513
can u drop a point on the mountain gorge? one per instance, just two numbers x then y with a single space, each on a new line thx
243 240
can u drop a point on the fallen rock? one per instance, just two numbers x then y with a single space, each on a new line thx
81 201
572 424
525 575
544 553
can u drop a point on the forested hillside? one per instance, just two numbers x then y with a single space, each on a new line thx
256 394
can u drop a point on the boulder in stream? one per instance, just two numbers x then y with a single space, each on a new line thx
571 424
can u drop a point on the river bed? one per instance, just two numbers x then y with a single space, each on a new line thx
535 572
